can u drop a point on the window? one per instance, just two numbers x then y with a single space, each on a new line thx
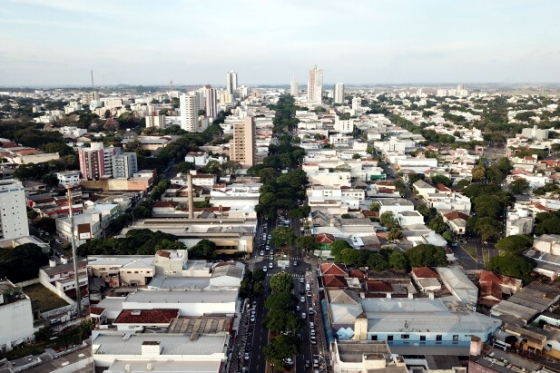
374 338
405 336
438 339
423 338
390 337
455 338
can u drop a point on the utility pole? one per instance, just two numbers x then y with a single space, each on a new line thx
74 257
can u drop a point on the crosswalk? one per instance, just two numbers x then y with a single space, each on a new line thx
294 275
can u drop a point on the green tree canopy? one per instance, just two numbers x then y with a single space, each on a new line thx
398 260
513 265
426 256
281 301
515 244
22 263
281 348
388 219
278 321
337 246
307 243
440 179
204 249
282 237
519 186
282 282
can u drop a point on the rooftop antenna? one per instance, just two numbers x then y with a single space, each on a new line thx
171 86
92 85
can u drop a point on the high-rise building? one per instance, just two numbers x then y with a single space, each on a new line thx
231 82
189 112
97 161
339 93
356 103
200 102
315 85
243 142
294 88
211 102
125 165
13 215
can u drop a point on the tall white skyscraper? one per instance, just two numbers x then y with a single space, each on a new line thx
13 216
339 93
231 82
315 85
294 88
243 143
211 102
189 112
356 103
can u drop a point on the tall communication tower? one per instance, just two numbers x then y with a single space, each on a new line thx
171 86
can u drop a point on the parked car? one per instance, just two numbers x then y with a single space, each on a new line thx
246 356
302 299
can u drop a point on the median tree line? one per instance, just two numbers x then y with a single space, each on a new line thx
283 180
281 319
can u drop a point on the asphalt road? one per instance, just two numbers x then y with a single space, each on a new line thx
259 337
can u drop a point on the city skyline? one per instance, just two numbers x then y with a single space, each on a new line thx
58 43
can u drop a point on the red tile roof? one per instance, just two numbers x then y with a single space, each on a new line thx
378 286
442 188
424 272
338 269
96 310
456 215
324 238
332 281
357 274
157 316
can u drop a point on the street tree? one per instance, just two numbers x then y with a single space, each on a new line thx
374 207
282 282
259 275
515 244
281 301
281 348
307 243
282 237
519 186
478 173
513 265
278 321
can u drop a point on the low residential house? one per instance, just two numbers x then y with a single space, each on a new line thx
325 240
426 279
449 201
406 218
423 189
456 221
519 221
87 227
493 286
548 243
59 277
394 205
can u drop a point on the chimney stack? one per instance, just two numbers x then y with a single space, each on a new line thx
191 197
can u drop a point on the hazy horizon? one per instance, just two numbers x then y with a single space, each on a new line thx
57 43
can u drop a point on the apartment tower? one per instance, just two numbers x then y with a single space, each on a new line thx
243 143
231 82
189 112
211 102
97 161
315 85
294 88
339 93
13 215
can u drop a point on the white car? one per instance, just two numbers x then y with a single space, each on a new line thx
270 265
265 269
303 315
302 299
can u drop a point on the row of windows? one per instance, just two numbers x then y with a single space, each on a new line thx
439 337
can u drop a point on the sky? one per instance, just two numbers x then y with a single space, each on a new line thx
141 42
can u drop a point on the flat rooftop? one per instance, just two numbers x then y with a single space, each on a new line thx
200 325
352 352
169 366
197 296
171 344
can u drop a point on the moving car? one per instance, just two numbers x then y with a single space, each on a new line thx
302 299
